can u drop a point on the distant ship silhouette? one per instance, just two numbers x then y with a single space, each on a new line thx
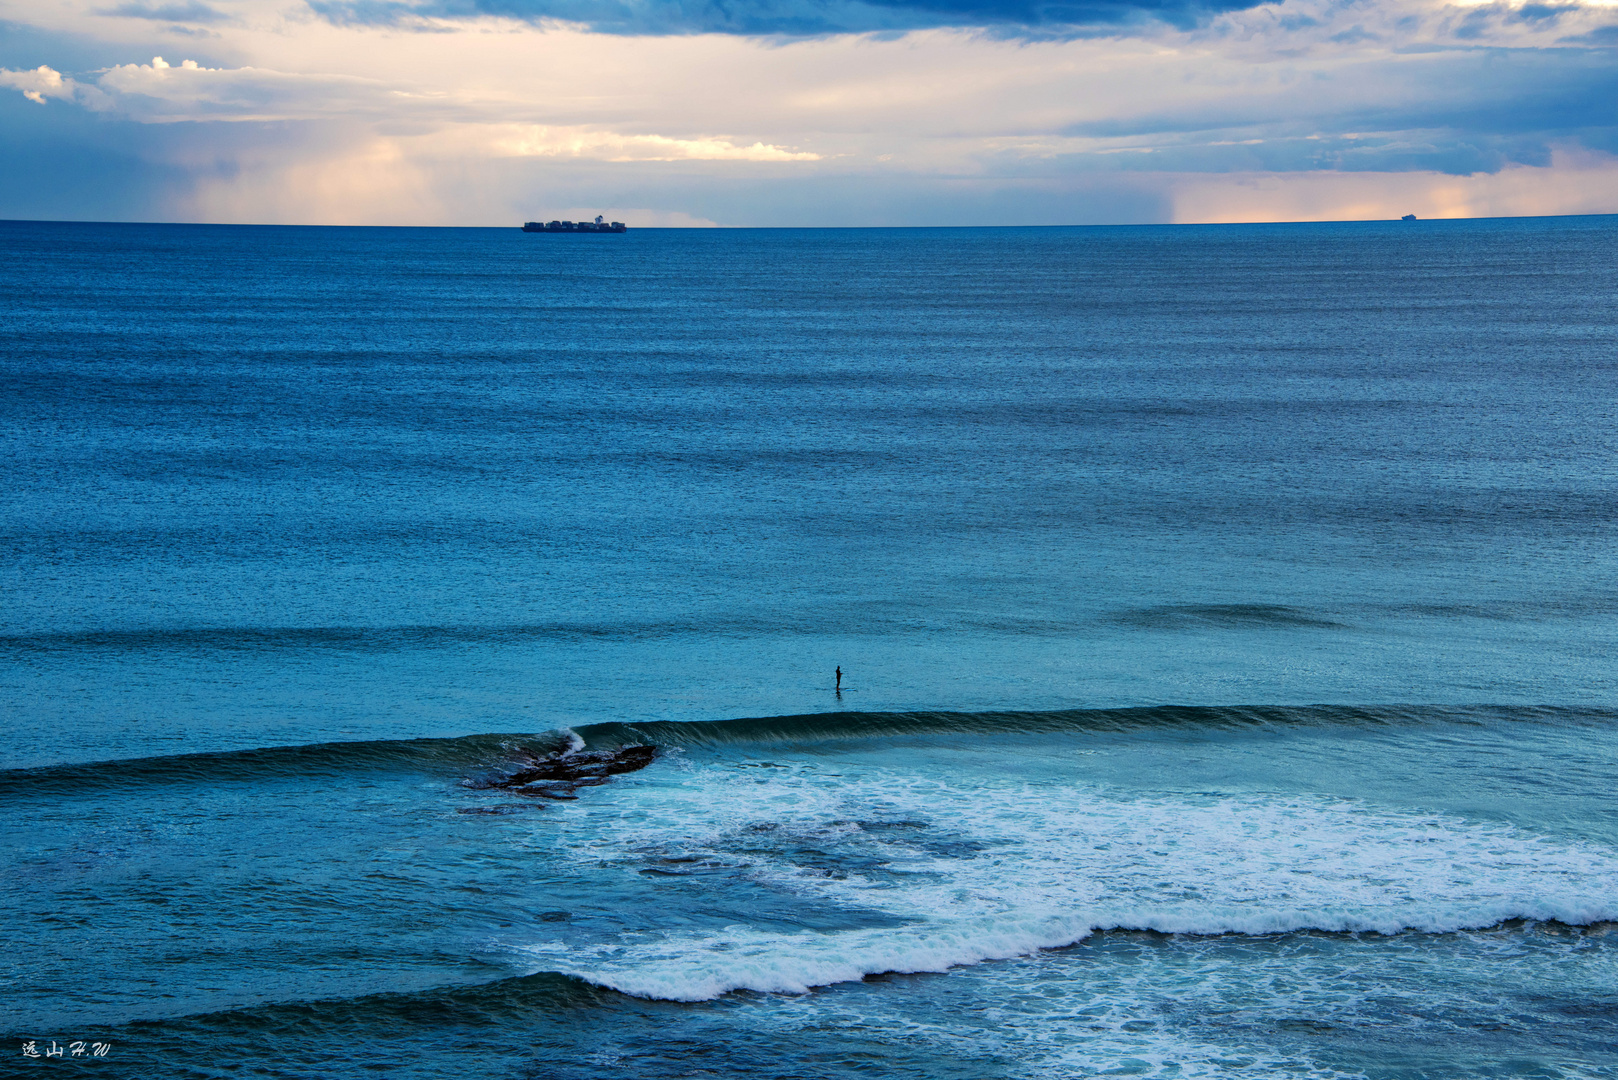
1408 217
575 226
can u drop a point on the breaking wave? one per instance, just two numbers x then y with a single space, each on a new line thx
936 869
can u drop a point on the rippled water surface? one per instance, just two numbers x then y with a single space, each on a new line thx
1227 618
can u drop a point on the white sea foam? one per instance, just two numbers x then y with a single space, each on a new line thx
1195 1006
982 868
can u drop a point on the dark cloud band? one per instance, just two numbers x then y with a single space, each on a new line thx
798 17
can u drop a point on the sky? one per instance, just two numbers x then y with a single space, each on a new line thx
805 112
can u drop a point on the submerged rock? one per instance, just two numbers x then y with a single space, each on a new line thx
584 764
559 775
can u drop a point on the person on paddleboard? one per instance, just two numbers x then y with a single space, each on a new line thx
839 678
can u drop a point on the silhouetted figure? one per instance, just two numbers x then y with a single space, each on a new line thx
839 678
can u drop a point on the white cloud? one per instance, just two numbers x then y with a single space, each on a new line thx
161 92
39 84
580 142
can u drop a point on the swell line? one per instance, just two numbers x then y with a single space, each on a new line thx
457 756
810 728
334 759
473 1004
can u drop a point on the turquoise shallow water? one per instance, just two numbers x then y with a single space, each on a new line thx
1227 614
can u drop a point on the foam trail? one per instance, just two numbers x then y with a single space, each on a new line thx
981 868
701 968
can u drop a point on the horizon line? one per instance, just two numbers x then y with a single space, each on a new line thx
814 228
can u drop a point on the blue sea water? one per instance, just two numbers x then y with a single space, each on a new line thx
1228 616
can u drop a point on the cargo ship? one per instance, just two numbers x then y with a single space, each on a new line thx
598 225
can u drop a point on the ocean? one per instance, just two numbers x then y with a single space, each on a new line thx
1227 620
